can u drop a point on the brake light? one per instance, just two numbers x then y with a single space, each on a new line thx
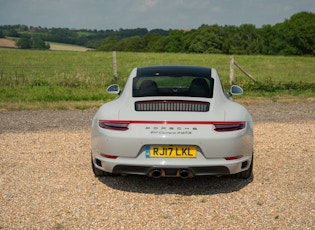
114 125
228 126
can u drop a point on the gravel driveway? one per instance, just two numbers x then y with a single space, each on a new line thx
46 181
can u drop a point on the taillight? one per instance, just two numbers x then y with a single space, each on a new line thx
114 125
228 126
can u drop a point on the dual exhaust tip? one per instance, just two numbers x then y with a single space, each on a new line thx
183 173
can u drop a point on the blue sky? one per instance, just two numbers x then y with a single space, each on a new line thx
150 14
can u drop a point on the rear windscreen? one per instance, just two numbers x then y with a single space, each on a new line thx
166 85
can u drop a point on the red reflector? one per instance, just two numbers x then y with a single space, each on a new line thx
233 158
108 156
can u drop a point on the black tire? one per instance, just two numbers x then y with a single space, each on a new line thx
245 174
99 173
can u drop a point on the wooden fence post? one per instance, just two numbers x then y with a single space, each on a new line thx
231 70
115 66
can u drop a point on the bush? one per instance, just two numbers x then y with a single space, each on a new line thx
35 42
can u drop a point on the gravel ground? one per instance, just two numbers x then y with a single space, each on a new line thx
46 181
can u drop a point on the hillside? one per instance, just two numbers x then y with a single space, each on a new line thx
7 43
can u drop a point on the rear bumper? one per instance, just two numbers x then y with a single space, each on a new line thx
172 172
215 167
213 148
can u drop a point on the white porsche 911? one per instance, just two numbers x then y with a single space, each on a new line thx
172 121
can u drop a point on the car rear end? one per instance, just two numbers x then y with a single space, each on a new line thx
171 133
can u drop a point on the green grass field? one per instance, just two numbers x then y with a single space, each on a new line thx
32 79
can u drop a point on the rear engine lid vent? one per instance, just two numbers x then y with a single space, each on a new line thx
172 105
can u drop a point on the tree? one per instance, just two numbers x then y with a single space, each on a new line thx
38 43
151 42
24 42
300 31
292 37
12 33
133 44
108 44
174 42
35 42
207 39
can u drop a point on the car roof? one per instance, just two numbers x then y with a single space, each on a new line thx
176 70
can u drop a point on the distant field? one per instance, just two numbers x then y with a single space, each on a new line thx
31 78
67 47
10 43
7 43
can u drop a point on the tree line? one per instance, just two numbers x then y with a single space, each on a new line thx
294 36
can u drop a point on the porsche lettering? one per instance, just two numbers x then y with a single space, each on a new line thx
172 128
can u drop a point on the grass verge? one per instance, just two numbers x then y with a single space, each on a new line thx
33 79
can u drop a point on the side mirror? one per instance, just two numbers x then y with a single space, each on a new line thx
113 89
236 90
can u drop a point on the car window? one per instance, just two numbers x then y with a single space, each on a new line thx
189 86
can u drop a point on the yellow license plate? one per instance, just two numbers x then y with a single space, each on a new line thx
171 151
